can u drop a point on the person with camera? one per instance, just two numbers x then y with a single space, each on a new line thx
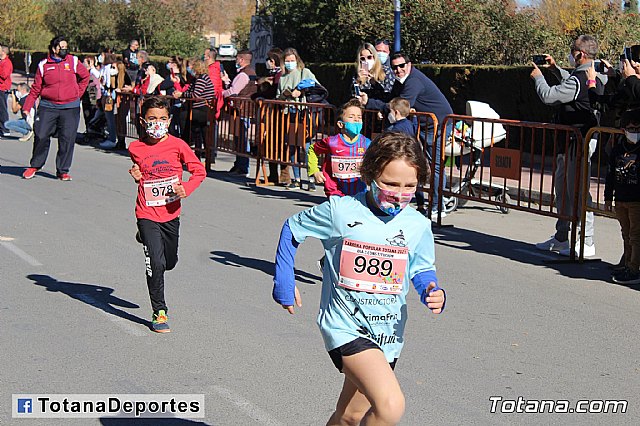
571 98
6 68
60 82
130 59
18 96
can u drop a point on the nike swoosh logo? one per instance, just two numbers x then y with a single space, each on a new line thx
356 223
338 151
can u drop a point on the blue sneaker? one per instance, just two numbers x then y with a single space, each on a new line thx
160 322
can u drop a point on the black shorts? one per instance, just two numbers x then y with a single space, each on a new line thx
356 346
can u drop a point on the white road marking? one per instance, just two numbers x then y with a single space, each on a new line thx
20 253
251 410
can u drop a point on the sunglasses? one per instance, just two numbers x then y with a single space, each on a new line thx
396 66
363 58
383 41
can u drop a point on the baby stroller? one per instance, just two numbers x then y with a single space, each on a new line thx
470 140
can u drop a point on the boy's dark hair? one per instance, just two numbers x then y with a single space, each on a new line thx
630 116
401 105
351 103
154 102
390 146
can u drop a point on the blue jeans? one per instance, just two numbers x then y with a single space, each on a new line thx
427 139
242 163
302 157
19 126
111 125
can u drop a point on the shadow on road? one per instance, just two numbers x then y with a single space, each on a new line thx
96 296
232 259
18 170
114 421
519 251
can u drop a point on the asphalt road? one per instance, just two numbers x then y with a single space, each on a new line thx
74 308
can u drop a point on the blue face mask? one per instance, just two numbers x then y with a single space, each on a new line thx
238 66
168 66
353 129
191 71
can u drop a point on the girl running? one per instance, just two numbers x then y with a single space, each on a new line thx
374 246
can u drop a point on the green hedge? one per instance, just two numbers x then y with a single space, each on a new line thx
509 90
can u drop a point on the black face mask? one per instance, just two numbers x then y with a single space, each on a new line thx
63 53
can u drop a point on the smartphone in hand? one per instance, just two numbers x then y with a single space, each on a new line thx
539 59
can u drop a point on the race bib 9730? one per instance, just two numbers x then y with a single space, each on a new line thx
345 167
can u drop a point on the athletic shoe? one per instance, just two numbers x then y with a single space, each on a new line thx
626 277
589 250
65 177
29 173
6 134
160 322
312 187
295 184
553 245
434 214
26 137
107 145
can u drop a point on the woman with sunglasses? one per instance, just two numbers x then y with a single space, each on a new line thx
371 76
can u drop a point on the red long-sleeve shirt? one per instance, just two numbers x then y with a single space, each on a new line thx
164 160
6 68
60 83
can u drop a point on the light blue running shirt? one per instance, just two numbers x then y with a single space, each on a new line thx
348 314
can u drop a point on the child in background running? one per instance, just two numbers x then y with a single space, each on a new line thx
623 185
374 246
158 159
342 154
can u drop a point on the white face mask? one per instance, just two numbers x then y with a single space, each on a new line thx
392 117
632 137
371 63
383 56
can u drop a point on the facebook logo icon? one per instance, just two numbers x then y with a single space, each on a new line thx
24 405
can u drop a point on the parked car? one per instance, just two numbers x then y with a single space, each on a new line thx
227 50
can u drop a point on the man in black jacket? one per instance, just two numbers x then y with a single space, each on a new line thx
423 96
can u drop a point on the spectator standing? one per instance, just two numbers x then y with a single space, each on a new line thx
17 103
244 86
295 72
370 75
202 91
60 81
571 97
423 96
384 54
6 68
623 185
108 75
130 60
215 70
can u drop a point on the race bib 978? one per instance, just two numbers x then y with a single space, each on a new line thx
160 192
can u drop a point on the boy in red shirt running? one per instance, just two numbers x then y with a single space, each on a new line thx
158 159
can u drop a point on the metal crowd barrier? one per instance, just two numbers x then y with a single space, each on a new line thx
491 159
286 131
